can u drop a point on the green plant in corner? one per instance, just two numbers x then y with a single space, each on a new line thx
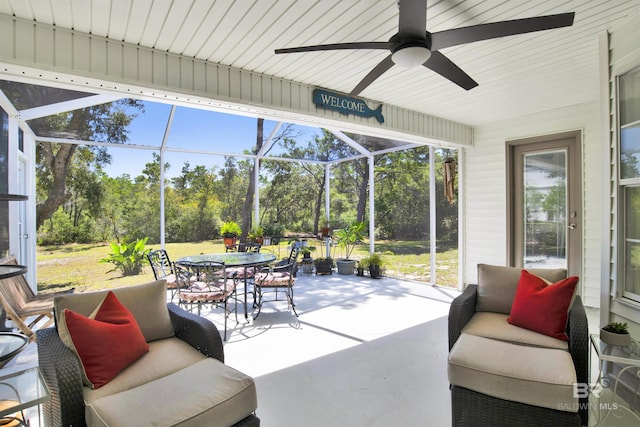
328 261
374 259
256 232
617 328
128 257
349 237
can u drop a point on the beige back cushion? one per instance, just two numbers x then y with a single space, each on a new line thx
147 303
497 285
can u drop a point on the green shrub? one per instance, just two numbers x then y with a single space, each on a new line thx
128 257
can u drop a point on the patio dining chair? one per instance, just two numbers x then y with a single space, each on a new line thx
207 282
280 277
163 269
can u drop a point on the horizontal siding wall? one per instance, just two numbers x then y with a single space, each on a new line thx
33 50
485 187
624 54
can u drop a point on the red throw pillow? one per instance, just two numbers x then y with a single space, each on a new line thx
541 307
107 344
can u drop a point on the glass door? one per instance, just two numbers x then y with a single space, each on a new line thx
545 227
544 242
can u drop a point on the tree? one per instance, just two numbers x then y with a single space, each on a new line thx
323 148
251 188
105 122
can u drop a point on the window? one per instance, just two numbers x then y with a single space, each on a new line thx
629 132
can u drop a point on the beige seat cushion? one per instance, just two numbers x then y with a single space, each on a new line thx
497 285
536 376
164 357
495 325
207 393
147 303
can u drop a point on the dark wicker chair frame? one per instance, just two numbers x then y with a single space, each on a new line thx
61 368
477 409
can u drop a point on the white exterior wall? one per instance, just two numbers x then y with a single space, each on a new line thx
485 215
622 50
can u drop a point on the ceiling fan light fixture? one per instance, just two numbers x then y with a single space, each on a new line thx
411 56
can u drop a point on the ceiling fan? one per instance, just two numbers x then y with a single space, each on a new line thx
413 46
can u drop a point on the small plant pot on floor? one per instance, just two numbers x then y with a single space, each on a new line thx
375 272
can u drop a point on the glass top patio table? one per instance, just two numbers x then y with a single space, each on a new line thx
232 259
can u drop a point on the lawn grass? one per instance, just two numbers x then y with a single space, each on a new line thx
78 266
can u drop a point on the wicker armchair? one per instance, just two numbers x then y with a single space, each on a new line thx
478 409
61 368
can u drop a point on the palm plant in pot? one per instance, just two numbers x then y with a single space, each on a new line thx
615 333
347 239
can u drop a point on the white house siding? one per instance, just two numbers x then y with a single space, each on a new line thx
624 54
485 215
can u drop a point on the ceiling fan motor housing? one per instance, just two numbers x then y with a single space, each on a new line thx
410 52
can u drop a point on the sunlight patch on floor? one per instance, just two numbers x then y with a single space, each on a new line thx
336 313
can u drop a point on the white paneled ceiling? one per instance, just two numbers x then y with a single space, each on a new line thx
517 75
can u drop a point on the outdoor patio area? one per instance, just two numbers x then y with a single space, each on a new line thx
363 352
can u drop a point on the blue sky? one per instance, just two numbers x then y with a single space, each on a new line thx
193 129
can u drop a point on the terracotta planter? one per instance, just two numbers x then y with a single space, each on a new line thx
229 241
612 338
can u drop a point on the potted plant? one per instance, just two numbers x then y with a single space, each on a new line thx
323 265
347 239
361 266
272 233
257 234
615 333
326 230
230 231
374 263
306 251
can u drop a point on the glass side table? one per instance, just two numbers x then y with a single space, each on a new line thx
628 359
10 345
18 391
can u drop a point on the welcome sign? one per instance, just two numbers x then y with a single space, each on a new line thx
345 104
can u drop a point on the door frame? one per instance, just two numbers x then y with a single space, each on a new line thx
574 193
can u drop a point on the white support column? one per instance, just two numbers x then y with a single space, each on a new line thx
13 187
372 208
327 204
29 153
162 236
162 148
432 214
327 197
461 222
256 197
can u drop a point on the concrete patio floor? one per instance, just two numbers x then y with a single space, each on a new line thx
363 352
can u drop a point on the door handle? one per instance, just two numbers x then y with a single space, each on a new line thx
572 226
